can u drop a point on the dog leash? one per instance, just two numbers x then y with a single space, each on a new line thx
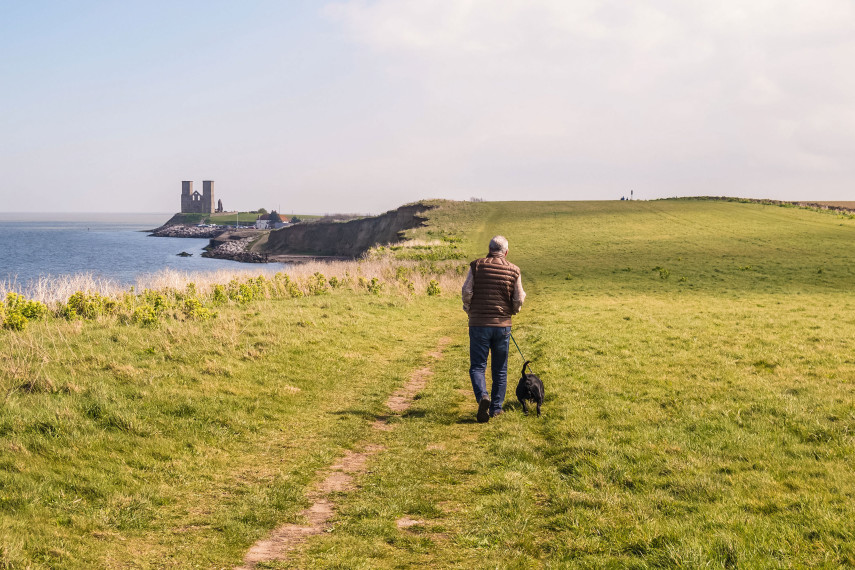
520 351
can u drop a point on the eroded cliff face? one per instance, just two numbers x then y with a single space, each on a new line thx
348 239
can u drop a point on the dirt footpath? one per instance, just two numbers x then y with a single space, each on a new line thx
339 477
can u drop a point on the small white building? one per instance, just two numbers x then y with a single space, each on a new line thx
270 222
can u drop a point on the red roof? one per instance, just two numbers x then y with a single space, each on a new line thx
274 217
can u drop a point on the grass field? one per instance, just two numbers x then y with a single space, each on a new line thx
698 364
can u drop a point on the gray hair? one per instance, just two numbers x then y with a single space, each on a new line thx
499 244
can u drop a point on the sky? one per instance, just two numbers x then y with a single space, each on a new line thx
363 105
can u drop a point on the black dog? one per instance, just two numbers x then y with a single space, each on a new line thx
530 388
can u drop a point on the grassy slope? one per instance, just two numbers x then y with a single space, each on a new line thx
180 446
697 414
705 422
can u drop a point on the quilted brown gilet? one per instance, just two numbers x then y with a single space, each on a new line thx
494 280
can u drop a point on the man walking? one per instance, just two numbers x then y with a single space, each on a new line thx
492 293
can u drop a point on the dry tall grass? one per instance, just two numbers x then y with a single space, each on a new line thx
52 289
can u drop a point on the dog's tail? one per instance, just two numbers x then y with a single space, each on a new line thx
524 365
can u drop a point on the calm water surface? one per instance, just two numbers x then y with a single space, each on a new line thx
108 245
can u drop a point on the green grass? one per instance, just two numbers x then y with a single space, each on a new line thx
698 364
705 422
244 218
187 442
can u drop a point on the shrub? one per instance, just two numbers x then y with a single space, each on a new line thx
374 286
84 305
233 289
279 284
158 300
109 306
262 286
145 315
294 290
127 302
253 288
14 301
246 293
317 284
242 292
15 321
402 273
433 288
219 296
193 309
16 311
33 310
288 286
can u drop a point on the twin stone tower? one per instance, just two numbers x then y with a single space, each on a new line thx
195 203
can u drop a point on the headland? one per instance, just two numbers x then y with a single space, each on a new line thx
323 239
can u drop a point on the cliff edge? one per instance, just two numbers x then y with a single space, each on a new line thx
346 239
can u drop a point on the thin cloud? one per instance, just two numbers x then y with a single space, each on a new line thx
640 92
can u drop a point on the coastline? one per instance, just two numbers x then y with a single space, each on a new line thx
232 245
103 247
185 231
235 244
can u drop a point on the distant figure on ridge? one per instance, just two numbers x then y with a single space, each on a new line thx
492 293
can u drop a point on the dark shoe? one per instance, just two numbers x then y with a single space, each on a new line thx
497 413
484 411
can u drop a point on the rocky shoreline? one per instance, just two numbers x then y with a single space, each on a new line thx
236 251
230 245
182 231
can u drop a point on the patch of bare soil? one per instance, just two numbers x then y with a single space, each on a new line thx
338 478
407 522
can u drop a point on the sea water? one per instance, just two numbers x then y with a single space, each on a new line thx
114 246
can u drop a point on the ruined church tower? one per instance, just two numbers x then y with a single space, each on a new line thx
195 203
208 196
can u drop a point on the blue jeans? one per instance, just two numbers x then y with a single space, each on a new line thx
484 340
